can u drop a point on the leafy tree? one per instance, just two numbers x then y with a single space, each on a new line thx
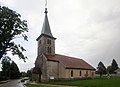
101 69
114 65
109 69
23 74
10 69
11 27
6 67
29 73
14 71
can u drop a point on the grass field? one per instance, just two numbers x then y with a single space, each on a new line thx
36 85
97 82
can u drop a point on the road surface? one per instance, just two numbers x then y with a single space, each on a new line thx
12 83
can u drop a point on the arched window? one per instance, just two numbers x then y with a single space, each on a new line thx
86 75
80 73
49 49
40 42
71 73
92 74
48 41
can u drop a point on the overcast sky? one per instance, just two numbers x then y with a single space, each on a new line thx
87 29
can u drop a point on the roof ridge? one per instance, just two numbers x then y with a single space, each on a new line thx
69 56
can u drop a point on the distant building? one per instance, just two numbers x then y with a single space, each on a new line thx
49 65
117 72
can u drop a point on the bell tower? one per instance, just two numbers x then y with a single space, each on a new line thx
46 41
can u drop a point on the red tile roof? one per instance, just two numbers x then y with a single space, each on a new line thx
70 62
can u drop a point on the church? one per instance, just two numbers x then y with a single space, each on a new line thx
51 66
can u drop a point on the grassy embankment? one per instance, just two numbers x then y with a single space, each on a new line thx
97 82
37 85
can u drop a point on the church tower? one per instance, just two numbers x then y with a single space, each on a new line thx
46 41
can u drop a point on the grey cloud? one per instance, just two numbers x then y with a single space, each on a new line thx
84 28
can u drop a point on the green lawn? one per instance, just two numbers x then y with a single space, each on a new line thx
33 85
97 82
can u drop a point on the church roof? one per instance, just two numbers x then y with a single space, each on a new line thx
70 62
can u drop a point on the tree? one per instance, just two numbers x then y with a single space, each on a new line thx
101 69
114 65
109 69
14 71
11 27
6 67
10 69
23 74
29 73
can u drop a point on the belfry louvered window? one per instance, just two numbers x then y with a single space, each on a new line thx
48 41
49 49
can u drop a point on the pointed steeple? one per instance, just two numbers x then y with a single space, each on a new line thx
46 27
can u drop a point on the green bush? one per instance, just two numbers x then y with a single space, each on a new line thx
2 78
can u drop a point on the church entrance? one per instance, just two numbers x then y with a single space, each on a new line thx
37 70
39 78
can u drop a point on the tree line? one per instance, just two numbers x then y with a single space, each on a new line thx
9 68
101 69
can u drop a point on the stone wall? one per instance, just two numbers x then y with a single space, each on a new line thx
53 69
62 71
76 73
58 71
42 45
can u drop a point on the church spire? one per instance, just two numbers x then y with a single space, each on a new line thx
46 27
46 31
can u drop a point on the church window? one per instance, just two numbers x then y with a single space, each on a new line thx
86 74
92 74
80 73
71 73
40 42
49 49
48 41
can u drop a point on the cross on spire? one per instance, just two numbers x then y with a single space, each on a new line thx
46 7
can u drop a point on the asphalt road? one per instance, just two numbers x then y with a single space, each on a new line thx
12 83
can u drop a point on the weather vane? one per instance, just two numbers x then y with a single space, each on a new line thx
45 3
